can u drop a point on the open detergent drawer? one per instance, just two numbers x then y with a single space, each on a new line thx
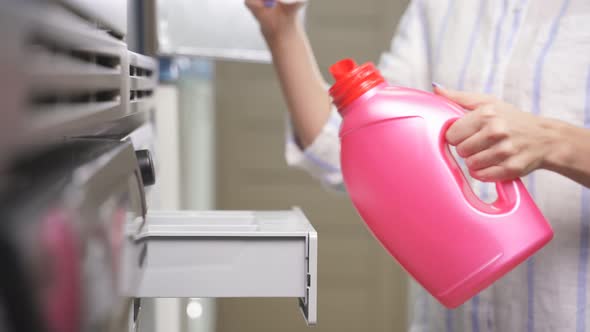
229 254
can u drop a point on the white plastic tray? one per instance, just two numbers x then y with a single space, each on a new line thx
230 254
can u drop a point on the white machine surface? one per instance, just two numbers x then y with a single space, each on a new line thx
232 32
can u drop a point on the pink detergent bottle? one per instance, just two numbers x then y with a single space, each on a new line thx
410 191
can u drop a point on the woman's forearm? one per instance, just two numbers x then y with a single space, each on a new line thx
301 82
570 154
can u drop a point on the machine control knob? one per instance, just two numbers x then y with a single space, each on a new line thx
146 167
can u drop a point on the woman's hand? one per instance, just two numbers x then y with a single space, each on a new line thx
498 141
275 18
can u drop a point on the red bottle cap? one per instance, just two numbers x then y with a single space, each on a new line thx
352 81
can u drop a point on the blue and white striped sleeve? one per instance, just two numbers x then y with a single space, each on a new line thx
409 59
321 159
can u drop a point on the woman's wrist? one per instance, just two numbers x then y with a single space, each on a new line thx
570 153
287 30
560 149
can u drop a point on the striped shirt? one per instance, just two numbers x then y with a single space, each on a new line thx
535 55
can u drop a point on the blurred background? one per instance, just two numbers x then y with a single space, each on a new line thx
220 129
360 288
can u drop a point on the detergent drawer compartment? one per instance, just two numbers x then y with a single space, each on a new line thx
229 254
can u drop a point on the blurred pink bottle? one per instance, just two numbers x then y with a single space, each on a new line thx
410 191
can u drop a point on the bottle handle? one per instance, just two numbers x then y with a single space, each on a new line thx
508 191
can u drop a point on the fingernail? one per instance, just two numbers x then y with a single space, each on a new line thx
269 3
437 85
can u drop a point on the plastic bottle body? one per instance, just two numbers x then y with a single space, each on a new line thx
411 193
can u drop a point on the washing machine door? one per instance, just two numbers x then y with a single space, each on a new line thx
65 217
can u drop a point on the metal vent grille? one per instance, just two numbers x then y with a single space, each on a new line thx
136 71
57 49
142 82
67 76
64 75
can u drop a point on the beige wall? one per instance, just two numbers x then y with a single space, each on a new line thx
360 287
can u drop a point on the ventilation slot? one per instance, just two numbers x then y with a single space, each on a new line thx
91 21
48 99
58 50
140 94
139 72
